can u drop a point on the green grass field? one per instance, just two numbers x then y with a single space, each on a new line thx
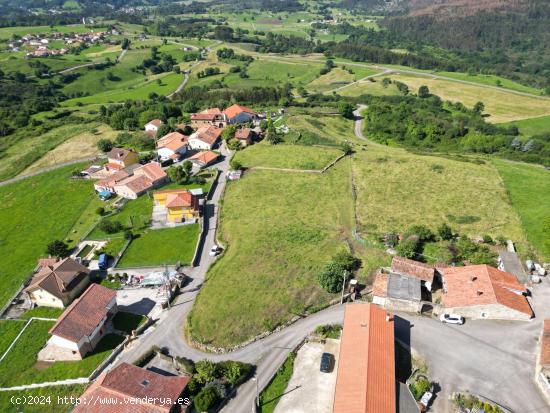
33 213
491 80
397 189
43 312
533 126
286 156
52 397
163 246
280 229
20 365
127 321
529 189
8 331
373 87
270 396
7 32
332 128
338 78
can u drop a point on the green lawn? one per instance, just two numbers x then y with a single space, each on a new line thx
280 229
127 321
533 126
52 397
163 246
33 213
271 395
8 331
286 156
20 365
43 312
529 189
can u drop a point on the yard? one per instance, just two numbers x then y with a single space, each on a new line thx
529 189
159 247
127 322
8 331
33 213
21 367
280 230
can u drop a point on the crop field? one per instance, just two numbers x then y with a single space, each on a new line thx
27 150
77 147
286 156
529 189
533 126
34 212
21 367
397 189
163 246
279 229
502 106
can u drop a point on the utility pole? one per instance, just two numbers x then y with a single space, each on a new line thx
343 286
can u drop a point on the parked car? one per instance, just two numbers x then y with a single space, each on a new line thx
327 360
451 319
427 398
215 250
103 261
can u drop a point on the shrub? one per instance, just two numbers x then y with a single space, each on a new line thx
206 398
419 387
445 232
193 387
186 364
424 233
104 145
58 248
236 165
206 371
332 277
487 239
408 248
100 211
110 227
347 261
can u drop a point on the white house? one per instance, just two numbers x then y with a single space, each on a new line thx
152 127
82 325
239 114
172 146
205 138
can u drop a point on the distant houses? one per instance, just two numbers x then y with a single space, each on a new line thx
82 325
57 283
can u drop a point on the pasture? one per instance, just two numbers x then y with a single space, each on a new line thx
533 126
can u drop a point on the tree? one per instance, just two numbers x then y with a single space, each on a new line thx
110 227
347 261
233 372
346 110
104 145
423 233
423 92
206 371
164 129
445 232
346 148
125 44
187 166
206 398
100 211
58 248
332 277
128 235
229 132
223 33
235 165
408 248
177 174
479 107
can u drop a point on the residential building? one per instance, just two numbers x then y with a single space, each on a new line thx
172 146
152 127
542 371
204 158
424 272
397 292
205 138
145 178
128 382
120 158
239 114
482 291
154 172
57 283
84 323
366 381
245 136
212 116
181 205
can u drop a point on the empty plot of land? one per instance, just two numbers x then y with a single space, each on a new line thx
502 106
397 189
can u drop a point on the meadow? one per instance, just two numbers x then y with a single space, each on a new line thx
338 78
34 212
491 80
8 331
533 126
55 393
318 121
279 230
373 87
528 187
397 189
163 246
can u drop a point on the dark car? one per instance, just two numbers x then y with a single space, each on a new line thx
327 360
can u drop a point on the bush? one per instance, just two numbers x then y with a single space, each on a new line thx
100 211
206 399
419 387
408 248
206 371
193 387
347 260
104 145
332 277
186 364
236 165
58 248
445 232
423 233
110 227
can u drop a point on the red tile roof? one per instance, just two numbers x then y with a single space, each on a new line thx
244 134
151 170
169 138
85 313
126 383
204 157
481 285
405 266
207 115
136 183
366 369
179 197
235 110
380 285
155 122
208 134
545 344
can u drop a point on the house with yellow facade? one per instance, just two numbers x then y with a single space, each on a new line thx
180 205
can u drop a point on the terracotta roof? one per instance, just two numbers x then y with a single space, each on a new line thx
176 143
179 197
128 382
366 369
46 262
413 268
208 114
172 136
136 183
235 110
207 134
545 344
205 157
244 134
112 165
59 277
113 179
481 285
155 122
380 285
85 313
119 153
151 170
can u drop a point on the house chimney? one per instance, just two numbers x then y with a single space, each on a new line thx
479 292
473 278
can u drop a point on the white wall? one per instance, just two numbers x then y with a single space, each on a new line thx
63 342
198 144
45 299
